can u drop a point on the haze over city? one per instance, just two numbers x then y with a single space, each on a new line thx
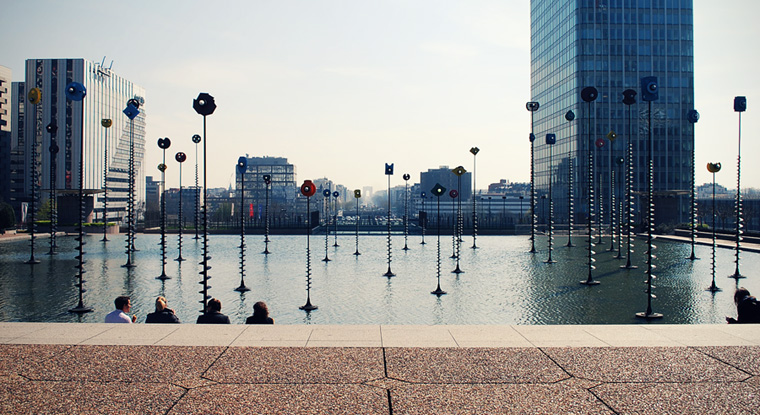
342 87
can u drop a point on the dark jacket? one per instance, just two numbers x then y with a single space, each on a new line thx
213 317
164 316
748 310
254 319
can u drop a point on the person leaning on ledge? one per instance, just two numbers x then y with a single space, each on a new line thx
213 314
123 306
163 313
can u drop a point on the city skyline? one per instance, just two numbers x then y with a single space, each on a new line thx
341 88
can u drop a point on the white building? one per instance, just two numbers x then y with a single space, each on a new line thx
107 96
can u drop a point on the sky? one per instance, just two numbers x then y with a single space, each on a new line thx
341 87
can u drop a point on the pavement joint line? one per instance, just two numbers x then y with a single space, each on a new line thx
597 337
203 374
179 399
453 337
156 343
598 398
569 375
699 349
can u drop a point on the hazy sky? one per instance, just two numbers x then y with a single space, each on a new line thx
341 87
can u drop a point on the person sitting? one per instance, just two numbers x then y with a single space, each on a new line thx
163 313
213 314
260 314
747 308
119 315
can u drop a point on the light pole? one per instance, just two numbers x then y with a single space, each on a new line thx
693 117
740 105
713 168
532 106
474 151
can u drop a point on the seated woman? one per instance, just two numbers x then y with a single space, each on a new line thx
163 314
260 314
747 308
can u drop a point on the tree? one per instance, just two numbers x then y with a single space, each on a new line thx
7 216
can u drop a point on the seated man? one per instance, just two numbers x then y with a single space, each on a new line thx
123 306
213 314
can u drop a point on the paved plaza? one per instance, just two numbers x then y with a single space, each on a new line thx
53 368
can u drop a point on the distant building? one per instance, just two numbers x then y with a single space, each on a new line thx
447 179
152 195
282 191
5 133
107 96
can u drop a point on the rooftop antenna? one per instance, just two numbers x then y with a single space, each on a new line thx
111 65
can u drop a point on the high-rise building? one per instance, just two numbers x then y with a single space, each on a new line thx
611 45
5 133
107 96
282 190
446 177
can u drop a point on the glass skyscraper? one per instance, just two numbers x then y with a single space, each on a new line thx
107 95
611 45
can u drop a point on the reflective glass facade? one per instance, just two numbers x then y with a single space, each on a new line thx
611 45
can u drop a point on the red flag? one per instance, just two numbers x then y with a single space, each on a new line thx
250 210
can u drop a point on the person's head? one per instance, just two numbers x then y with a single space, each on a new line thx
122 303
260 309
160 303
740 294
214 305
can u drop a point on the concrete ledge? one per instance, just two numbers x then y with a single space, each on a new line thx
659 335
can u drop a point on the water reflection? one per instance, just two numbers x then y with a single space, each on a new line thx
504 284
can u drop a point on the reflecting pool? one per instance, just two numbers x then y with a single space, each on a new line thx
502 283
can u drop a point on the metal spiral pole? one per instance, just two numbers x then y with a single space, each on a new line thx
629 98
163 144
423 222
76 92
180 157
453 194
570 116
713 168
205 106
620 209
326 207
389 273
308 306
52 128
131 111
335 219
197 193
406 211
438 190
242 166
613 214
693 117
267 181
105 123
591 213
532 106
600 207
357 195
551 139
458 232
739 107
32 224
648 314
474 151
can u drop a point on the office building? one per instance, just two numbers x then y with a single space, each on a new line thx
611 45
5 133
446 177
282 190
107 96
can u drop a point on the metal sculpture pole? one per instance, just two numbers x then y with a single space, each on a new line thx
551 139
740 105
589 94
34 95
76 92
267 184
205 106
53 148
650 92
423 217
197 193
693 117
131 111
612 135
242 168
180 157
308 189
453 193
459 171
357 195
620 161
629 98
335 219
389 173
532 106
326 205
570 116
600 203
713 168
406 210
474 151
163 144
438 191
106 123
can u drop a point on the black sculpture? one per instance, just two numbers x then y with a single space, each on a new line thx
389 173
589 94
267 185
197 193
180 157
308 189
570 116
357 196
326 205
532 106
551 139
438 191
459 171
34 96
106 123
52 128
740 105
163 144
713 168
131 111
474 151
629 98
242 167
406 210
693 117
